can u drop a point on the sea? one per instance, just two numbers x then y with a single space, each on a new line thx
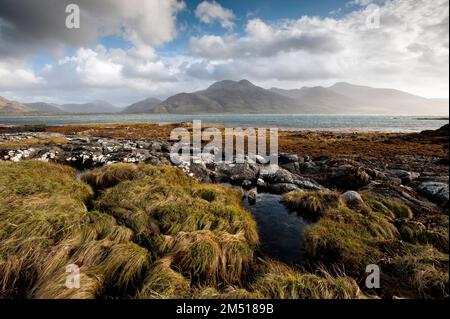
349 123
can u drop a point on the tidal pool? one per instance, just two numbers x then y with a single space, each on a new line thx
280 231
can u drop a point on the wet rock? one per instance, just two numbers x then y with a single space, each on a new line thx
281 176
201 172
284 158
246 184
261 184
435 191
281 188
251 197
310 168
352 198
348 177
293 167
237 173
405 176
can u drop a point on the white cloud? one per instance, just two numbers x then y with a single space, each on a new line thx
410 51
210 12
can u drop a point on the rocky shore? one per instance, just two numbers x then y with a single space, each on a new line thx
421 189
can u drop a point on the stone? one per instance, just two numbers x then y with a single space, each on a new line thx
246 184
352 198
435 191
251 197
281 188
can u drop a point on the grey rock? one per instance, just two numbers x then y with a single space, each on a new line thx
435 191
284 158
281 188
251 197
405 176
352 198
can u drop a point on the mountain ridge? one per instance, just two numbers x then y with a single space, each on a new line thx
240 97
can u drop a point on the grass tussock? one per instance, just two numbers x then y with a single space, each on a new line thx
342 235
421 269
163 282
279 281
312 204
143 216
110 175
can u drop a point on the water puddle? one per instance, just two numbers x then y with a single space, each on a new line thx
280 231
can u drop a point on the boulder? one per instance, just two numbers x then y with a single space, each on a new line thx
352 198
435 191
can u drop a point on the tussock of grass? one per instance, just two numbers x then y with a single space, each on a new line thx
211 237
390 207
279 281
163 282
312 204
342 235
420 268
110 175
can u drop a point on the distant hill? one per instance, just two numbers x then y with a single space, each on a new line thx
92 107
345 98
229 97
43 107
240 97
145 106
12 107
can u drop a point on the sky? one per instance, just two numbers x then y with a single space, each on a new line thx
125 51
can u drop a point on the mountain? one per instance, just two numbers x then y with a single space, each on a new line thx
321 100
92 107
229 97
43 107
345 98
12 107
144 106
389 101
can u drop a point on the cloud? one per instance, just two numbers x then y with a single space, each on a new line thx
410 51
26 26
210 12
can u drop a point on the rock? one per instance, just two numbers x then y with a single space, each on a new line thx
282 176
246 184
261 184
293 167
435 191
284 158
348 177
281 188
352 198
405 176
251 197
310 168
200 172
237 173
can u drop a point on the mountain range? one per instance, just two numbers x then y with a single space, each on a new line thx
243 97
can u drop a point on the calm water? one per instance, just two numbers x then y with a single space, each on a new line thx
280 231
309 122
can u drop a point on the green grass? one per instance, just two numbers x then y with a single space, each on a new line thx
153 232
